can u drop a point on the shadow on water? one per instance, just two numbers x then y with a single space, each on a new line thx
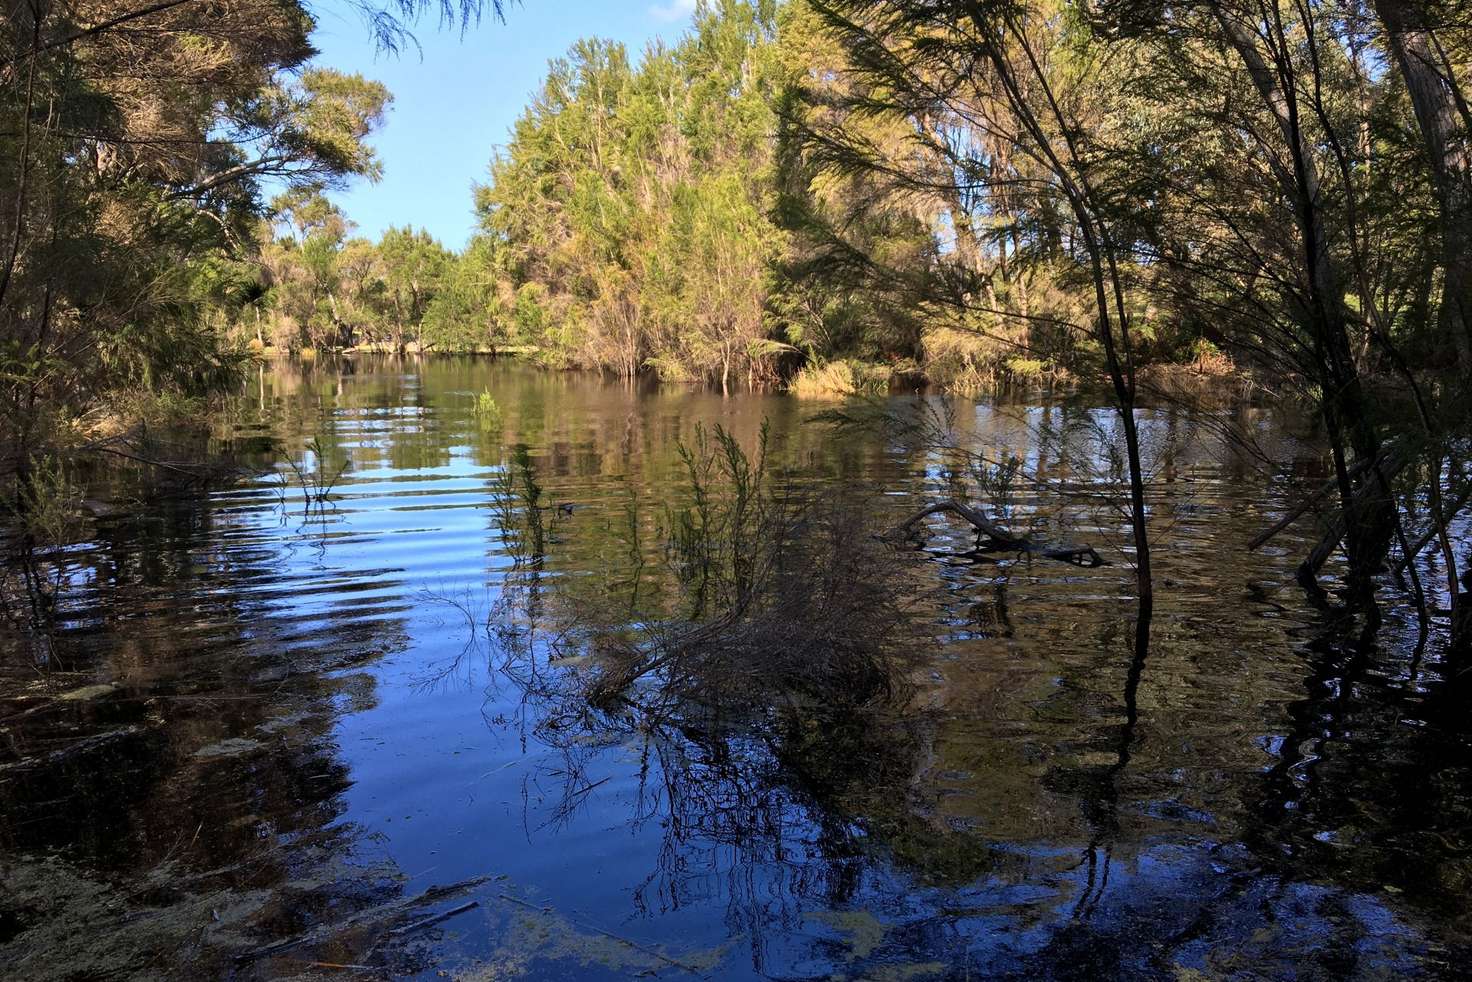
283 733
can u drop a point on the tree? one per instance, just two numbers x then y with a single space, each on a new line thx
1440 105
970 77
136 142
412 266
637 202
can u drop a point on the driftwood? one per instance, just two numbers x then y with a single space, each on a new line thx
443 915
998 539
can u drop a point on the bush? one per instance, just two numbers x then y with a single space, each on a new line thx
774 597
839 379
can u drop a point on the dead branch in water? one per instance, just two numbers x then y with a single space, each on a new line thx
372 915
1387 469
1001 540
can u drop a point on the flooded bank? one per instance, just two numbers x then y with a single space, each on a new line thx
273 730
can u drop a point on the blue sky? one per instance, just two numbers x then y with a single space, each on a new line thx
456 103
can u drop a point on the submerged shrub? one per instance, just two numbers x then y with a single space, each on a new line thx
772 595
49 507
487 411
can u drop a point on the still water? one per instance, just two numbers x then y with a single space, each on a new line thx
260 721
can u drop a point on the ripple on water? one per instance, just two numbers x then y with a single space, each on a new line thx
309 696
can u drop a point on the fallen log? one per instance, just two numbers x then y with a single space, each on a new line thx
999 539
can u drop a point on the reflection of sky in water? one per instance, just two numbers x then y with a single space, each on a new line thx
1242 825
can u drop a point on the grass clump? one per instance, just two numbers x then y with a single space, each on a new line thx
839 379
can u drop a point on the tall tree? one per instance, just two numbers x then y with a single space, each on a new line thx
1442 115
135 146
973 76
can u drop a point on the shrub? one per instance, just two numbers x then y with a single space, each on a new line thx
839 379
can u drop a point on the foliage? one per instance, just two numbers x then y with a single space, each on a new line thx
635 200
50 506
135 154
769 597
998 192
838 379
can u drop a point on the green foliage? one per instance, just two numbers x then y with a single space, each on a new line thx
48 506
134 156
716 540
518 502
767 598
487 412
630 207
837 379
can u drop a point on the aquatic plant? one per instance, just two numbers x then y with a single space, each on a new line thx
517 500
49 507
775 596
312 474
839 378
487 412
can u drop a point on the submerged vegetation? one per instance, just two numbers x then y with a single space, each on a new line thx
770 596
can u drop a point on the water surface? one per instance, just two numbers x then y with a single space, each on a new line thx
276 720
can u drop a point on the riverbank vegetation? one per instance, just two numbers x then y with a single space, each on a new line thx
1029 189
138 152
883 645
791 185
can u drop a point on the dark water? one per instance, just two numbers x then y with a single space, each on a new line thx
258 721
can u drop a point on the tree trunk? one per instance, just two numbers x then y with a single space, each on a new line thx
1370 515
1411 42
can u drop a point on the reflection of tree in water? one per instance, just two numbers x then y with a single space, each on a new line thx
1358 813
759 691
793 813
776 817
779 813
188 807
1372 787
